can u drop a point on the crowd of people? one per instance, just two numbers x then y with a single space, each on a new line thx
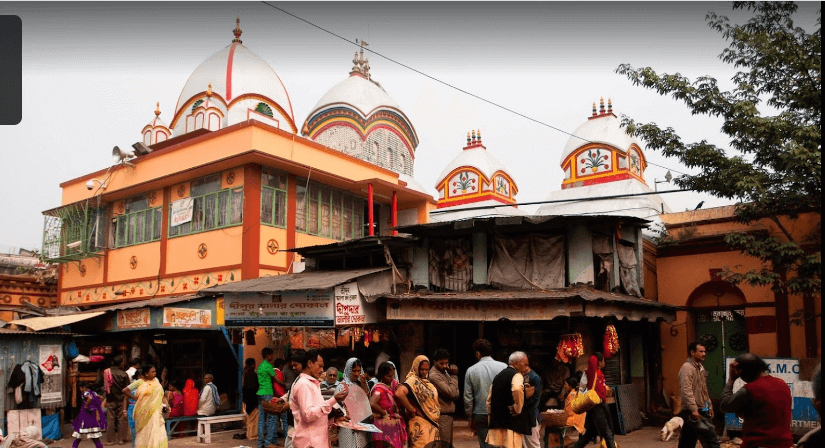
373 406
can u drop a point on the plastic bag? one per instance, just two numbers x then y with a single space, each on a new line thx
51 426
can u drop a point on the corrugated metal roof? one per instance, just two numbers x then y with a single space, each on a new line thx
293 282
30 333
42 323
585 292
157 302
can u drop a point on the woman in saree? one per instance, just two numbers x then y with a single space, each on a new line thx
420 398
382 401
357 404
149 424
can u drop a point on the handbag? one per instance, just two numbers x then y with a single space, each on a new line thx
276 406
585 401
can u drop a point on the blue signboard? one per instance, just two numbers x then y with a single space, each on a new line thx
803 415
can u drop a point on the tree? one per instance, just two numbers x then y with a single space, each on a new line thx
775 166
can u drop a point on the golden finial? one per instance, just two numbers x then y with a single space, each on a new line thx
157 109
209 90
237 31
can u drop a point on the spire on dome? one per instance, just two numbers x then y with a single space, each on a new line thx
601 106
209 90
609 106
157 109
361 65
594 109
237 31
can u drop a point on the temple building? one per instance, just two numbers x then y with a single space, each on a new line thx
601 160
475 184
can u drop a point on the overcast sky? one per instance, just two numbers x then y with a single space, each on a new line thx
92 73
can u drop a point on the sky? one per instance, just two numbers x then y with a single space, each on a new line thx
93 72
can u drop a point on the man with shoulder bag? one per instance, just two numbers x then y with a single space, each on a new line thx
697 411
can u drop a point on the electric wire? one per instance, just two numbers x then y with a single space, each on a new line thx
557 201
440 81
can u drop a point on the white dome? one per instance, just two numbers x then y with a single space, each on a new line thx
602 129
234 73
477 158
358 92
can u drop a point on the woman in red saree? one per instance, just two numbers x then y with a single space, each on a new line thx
190 398
382 401
595 423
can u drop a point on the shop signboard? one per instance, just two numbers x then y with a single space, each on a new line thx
51 364
290 308
350 307
137 318
803 414
186 318
474 310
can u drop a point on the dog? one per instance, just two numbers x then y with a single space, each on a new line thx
672 428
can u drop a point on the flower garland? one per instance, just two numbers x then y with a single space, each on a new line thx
611 341
570 346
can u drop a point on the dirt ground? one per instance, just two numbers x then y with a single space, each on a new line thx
646 437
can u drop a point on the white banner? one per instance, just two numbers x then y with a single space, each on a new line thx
51 364
350 307
182 211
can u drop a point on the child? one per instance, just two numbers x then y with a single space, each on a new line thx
175 399
91 420
130 403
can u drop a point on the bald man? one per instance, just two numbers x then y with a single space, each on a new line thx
209 399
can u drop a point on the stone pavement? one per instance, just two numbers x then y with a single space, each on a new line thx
462 438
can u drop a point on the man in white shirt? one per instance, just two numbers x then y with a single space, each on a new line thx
135 364
310 409
209 399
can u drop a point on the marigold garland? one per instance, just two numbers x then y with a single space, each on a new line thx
611 341
570 346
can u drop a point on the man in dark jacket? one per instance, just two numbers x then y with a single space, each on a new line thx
509 420
115 379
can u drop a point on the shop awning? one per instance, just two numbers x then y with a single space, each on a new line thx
491 305
303 281
42 323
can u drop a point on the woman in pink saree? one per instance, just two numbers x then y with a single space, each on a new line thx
382 401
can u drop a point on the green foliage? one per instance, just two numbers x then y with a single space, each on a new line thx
774 165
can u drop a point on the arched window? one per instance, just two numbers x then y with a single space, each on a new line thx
390 158
264 109
374 154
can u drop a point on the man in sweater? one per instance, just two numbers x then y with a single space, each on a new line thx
763 404
696 406
443 377
477 383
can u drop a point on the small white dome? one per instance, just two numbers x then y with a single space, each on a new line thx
600 129
478 158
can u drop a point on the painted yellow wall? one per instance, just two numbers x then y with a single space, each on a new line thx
279 235
148 262
70 273
223 249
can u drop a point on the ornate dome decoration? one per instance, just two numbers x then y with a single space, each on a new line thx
156 130
474 176
241 81
601 151
359 118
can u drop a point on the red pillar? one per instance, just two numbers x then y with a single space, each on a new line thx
370 214
394 212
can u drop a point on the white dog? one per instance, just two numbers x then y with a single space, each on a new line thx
672 428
